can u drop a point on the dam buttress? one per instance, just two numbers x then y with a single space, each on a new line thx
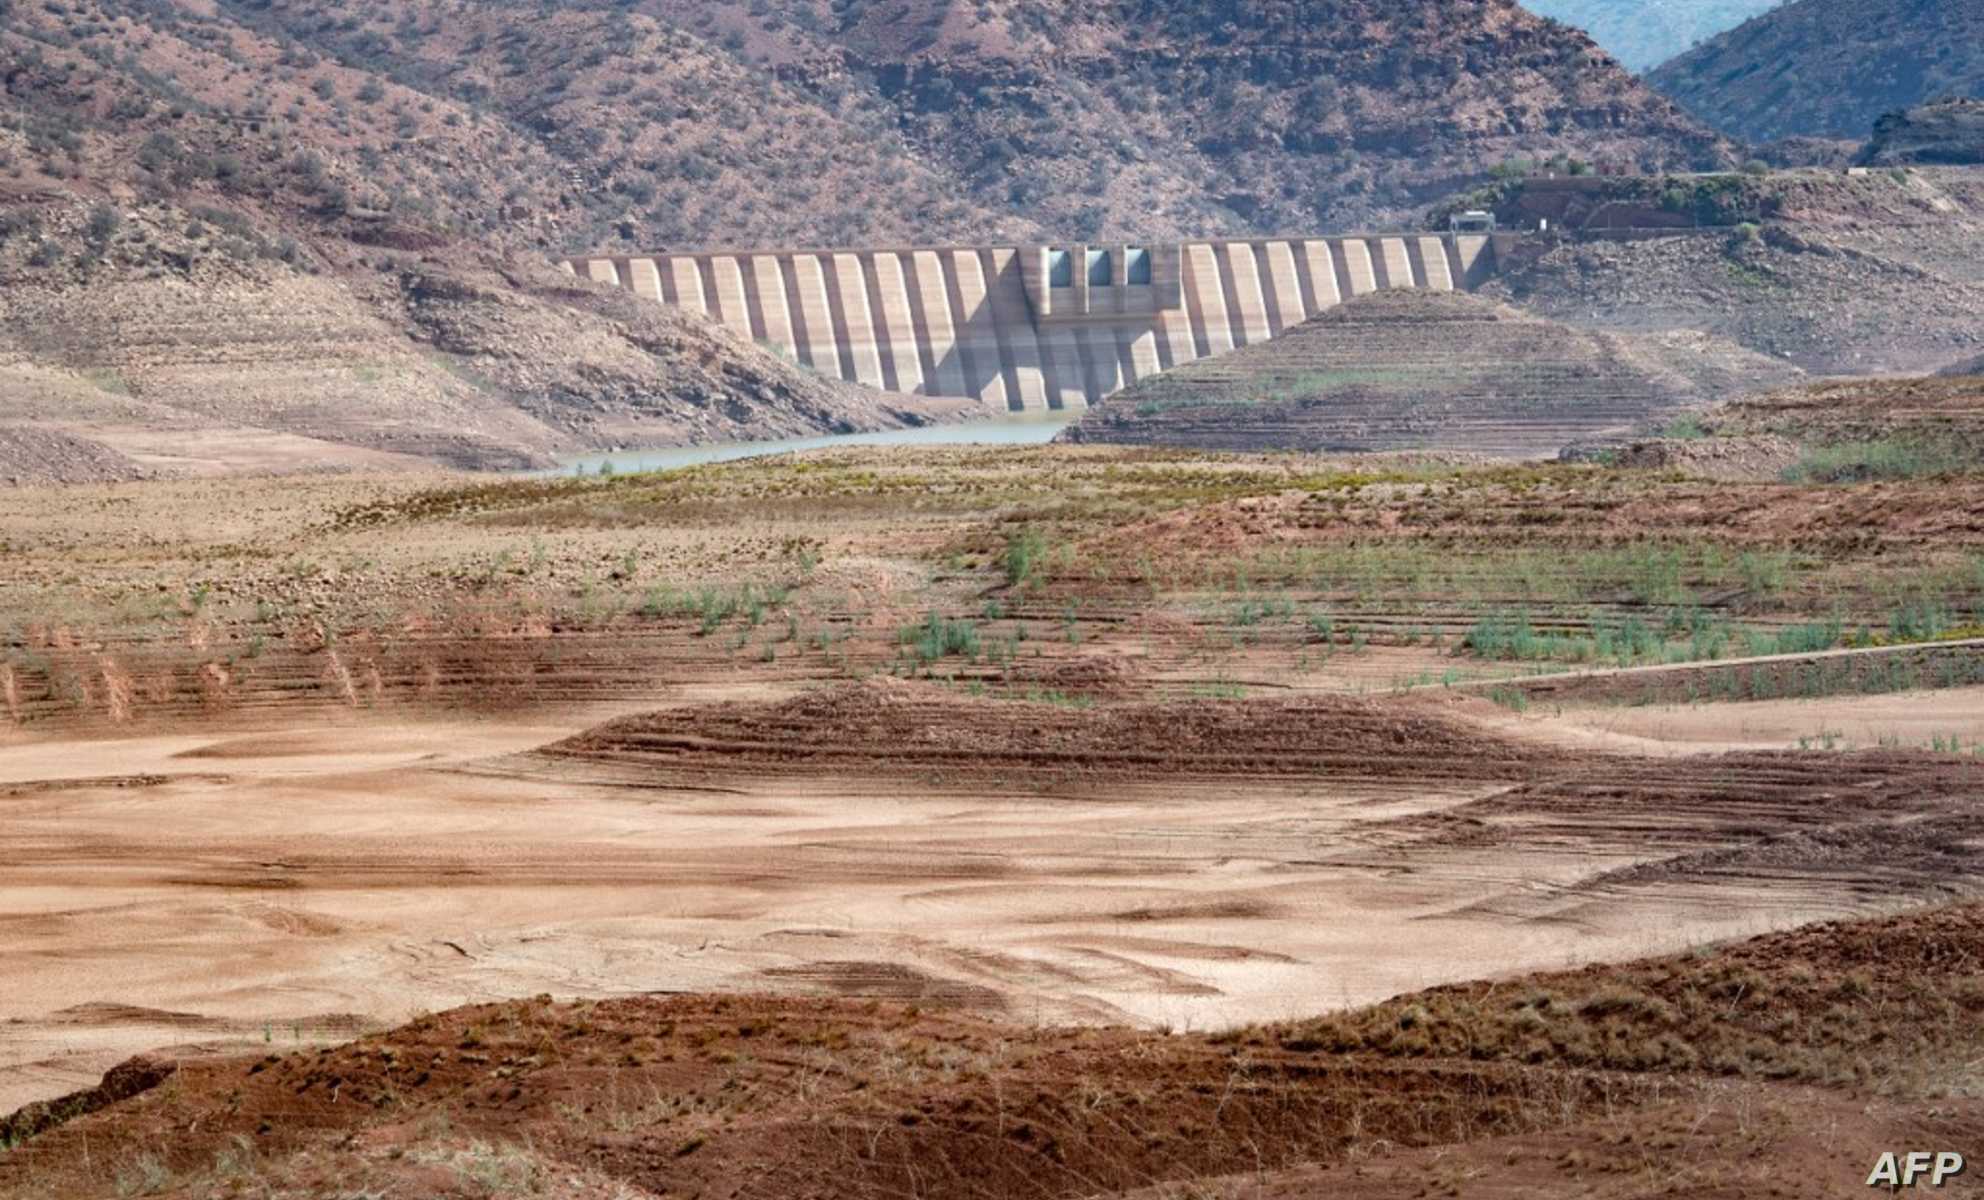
1035 327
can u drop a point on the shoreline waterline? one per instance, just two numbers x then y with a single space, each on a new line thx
1018 429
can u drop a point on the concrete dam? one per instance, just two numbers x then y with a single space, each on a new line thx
1035 327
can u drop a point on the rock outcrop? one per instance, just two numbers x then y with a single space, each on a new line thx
1949 132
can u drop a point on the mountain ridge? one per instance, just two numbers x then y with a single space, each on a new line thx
1829 67
1645 33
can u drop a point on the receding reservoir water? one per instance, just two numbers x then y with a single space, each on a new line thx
1020 429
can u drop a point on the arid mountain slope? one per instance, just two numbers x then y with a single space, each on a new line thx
305 221
798 121
1835 274
259 258
163 341
1644 33
1829 67
1946 131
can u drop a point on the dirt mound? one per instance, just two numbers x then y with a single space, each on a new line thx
1834 432
1897 820
895 729
1763 457
1867 672
752 1097
1094 676
1400 369
125 1080
1767 1007
1585 509
836 1100
30 455
1947 410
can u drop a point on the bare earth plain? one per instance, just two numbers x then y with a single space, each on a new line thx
993 763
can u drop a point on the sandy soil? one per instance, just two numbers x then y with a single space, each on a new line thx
1913 719
1780 1065
297 882
285 763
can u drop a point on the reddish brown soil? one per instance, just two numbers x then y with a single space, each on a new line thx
1948 408
1722 1145
1579 508
893 729
212 675
1911 813
756 1097
1853 672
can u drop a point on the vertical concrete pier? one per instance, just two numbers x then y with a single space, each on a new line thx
1034 327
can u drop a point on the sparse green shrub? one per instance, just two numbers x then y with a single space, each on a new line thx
938 636
1919 619
1026 555
1884 458
1763 572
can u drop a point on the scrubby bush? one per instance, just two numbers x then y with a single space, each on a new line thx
939 636
1026 554
1883 458
103 223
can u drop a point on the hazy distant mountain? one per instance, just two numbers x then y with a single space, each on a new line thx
1645 33
1830 67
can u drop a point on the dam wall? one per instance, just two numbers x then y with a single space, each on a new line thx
1034 327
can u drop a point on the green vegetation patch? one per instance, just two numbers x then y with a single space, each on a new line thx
1884 458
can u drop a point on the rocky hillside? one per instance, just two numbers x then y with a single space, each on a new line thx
1645 33
1838 275
1829 67
1425 370
219 250
1947 131
184 341
323 229
685 122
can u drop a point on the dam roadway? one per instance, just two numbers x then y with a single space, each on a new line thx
1035 327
